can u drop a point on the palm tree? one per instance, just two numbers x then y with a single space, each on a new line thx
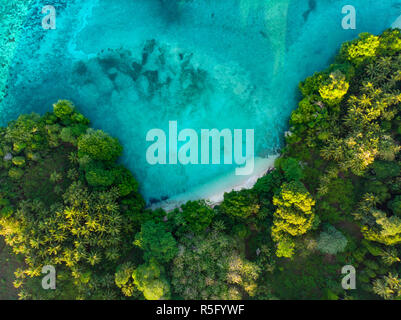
390 257
381 288
393 281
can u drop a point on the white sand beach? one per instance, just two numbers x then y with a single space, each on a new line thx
214 191
397 23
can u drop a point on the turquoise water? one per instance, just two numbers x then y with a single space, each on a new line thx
134 65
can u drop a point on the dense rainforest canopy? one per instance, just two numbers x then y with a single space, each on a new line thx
333 199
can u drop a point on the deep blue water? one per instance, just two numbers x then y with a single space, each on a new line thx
134 65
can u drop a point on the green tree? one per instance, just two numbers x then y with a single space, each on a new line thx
197 215
99 146
156 242
386 169
125 181
388 287
395 206
331 241
25 133
293 217
149 279
97 176
63 109
211 266
123 279
240 204
290 167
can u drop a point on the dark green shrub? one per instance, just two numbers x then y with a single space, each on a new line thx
386 169
98 177
240 204
197 215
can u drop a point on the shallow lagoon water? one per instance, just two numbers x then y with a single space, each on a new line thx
134 65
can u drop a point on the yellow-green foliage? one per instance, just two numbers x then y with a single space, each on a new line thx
387 229
381 227
388 287
123 279
18 147
63 109
87 231
148 278
19 161
241 204
294 215
15 173
364 47
390 42
285 247
335 88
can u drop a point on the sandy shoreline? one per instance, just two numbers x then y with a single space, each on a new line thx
397 23
214 191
